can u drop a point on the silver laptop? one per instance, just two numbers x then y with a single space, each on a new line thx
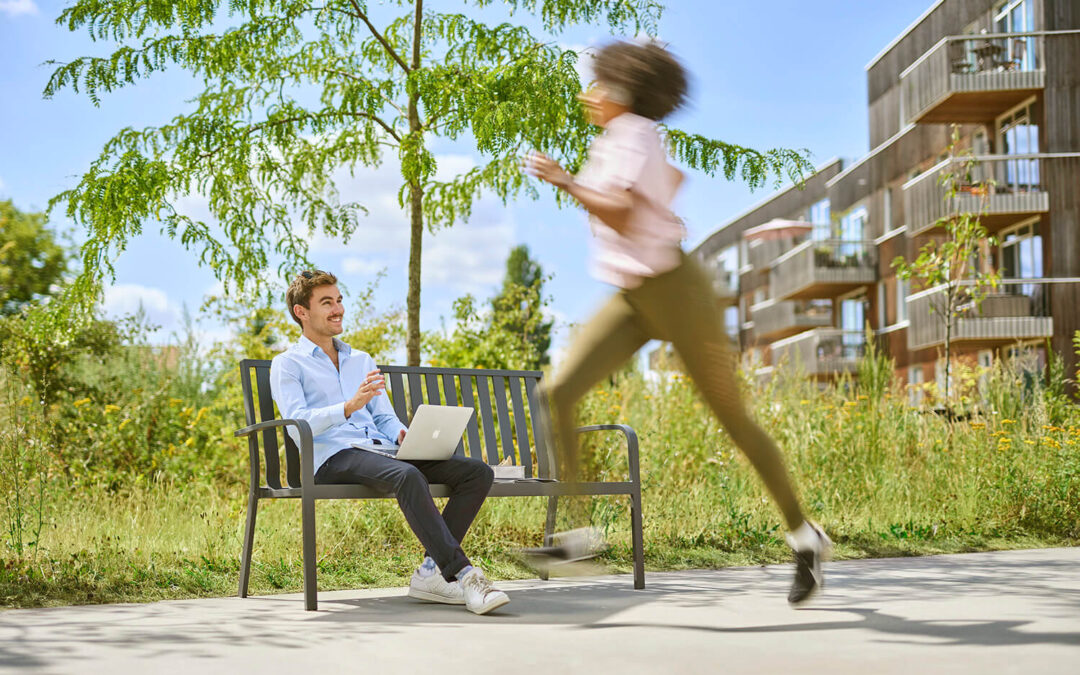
433 434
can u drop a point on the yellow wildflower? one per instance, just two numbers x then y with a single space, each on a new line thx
189 442
81 402
850 404
1008 421
1030 442
110 408
862 397
804 402
124 423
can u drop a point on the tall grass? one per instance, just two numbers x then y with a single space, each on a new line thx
141 513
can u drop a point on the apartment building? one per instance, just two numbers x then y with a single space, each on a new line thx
812 268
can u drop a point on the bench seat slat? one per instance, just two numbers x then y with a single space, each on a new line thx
505 429
484 395
521 425
473 430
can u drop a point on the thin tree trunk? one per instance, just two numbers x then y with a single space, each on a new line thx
416 220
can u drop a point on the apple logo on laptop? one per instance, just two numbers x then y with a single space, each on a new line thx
434 434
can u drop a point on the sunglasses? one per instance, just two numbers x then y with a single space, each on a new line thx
308 274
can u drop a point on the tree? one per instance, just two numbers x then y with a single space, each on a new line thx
32 263
514 334
294 91
518 307
949 262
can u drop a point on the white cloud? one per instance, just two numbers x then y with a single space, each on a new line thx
362 266
127 299
17 7
470 257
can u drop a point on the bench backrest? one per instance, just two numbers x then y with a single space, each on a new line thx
505 426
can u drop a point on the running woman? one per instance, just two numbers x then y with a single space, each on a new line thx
627 187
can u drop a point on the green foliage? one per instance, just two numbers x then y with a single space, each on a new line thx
148 516
513 334
32 263
24 482
293 92
41 356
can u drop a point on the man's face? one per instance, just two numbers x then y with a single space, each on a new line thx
324 315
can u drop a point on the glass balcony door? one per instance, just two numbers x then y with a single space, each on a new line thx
1017 16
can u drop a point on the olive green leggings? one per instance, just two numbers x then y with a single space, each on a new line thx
680 307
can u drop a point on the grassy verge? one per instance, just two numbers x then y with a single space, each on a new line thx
884 478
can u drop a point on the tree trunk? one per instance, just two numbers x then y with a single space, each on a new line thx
416 239
416 215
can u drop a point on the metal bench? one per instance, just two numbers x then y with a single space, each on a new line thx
504 427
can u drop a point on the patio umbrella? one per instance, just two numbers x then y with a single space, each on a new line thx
778 228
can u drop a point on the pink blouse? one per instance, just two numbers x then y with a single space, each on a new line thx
630 156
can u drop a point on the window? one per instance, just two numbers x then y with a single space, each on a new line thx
1022 253
901 299
883 319
731 322
852 228
915 380
727 269
1018 135
821 220
1017 16
853 313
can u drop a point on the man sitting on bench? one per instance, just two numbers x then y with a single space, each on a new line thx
338 391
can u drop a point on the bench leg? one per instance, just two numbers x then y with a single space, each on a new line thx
249 544
638 541
311 589
549 527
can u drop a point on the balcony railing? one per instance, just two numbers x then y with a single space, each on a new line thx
969 78
821 352
1002 188
778 319
1018 309
823 269
762 253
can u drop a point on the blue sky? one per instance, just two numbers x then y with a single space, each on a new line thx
766 74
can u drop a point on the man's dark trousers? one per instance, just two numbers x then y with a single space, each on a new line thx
469 481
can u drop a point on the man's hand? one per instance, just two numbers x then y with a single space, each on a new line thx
401 437
547 169
372 386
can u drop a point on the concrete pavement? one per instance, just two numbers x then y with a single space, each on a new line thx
981 613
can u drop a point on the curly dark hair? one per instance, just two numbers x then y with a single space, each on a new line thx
653 80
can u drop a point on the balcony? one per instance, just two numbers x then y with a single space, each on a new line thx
1001 189
762 252
823 269
1018 309
972 78
774 319
823 352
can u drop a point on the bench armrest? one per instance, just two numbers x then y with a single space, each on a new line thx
307 447
631 445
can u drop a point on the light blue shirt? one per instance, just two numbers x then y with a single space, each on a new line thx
306 385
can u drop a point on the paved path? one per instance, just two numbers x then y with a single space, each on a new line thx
979 613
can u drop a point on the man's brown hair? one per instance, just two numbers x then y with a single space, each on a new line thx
302 286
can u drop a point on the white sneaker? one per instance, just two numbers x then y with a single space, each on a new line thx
480 596
433 588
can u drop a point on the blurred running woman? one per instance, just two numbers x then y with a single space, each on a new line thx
627 187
